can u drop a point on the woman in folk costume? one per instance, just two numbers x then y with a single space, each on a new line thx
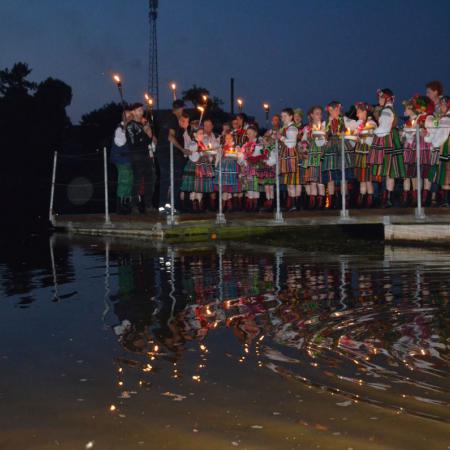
302 164
363 129
252 151
204 171
266 171
187 180
238 130
416 109
386 153
213 143
439 137
231 160
331 165
289 158
313 140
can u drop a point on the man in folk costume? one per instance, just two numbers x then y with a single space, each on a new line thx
386 153
438 134
313 140
289 159
362 128
417 109
187 181
238 130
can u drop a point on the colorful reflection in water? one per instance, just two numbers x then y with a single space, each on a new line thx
245 322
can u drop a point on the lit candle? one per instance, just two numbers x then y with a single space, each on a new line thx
202 110
205 99
240 103
266 108
173 86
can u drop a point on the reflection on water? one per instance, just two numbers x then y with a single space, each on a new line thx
366 334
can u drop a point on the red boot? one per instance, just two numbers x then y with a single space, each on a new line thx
320 202
414 198
369 200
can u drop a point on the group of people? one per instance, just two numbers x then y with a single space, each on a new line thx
380 156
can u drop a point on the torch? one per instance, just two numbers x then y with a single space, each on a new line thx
149 102
240 103
173 88
266 108
118 82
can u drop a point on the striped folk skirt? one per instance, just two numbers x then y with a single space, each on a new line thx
410 159
289 170
230 176
362 168
204 176
249 177
332 161
265 174
391 158
187 181
443 173
313 173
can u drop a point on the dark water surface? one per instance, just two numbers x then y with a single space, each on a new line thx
123 345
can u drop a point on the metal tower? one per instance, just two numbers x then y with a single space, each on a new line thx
153 82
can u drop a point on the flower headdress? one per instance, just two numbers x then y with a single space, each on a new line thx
362 106
387 94
332 105
421 104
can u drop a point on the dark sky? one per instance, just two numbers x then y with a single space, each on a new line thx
286 52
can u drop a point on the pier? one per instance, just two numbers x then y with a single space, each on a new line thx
397 225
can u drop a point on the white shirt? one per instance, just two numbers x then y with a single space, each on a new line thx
385 121
120 137
290 140
437 135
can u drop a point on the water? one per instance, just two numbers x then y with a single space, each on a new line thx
125 345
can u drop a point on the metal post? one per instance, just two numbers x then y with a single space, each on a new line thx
420 213
52 189
55 277
220 219
105 170
278 214
344 210
170 217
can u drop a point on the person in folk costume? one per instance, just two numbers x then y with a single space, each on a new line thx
187 181
266 171
231 160
417 110
313 140
120 157
435 90
289 158
213 143
252 151
302 164
238 129
362 128
438 134
386 153
331 172
204 171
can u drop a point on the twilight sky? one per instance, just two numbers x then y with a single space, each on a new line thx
286 52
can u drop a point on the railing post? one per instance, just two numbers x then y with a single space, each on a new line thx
420 213
344 210
278 214
171 216
105 171
220 218
51 216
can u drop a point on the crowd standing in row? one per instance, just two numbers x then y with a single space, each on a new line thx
380 157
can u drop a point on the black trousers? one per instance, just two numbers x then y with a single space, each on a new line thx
143 179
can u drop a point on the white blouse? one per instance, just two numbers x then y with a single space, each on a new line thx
290 140
385 122
437 135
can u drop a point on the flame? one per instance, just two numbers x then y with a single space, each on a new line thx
266 107
348 132
205 98
201 109
173 86
117 79
240 101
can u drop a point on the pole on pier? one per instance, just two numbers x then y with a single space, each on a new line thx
220 218
344 210
105 171
51 215
171 216
278 214
232 95
420 213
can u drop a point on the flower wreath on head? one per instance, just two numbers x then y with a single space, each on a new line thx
422 104
388 96
363 106
333 105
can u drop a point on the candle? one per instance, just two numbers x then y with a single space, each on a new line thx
266 108
173 86
202 110
240 103
205 99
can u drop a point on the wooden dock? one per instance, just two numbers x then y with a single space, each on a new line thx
399 224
